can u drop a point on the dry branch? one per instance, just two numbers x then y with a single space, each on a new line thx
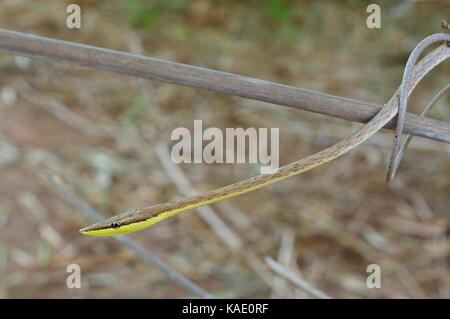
298 282
202 78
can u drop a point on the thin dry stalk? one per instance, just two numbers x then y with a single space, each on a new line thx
427 109
407 84
285 255
202 78
298 282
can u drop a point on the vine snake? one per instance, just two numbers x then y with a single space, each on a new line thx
141 218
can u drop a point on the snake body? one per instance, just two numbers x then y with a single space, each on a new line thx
141 218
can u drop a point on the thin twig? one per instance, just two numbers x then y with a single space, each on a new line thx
403 97
285 255
300 283
141 252
202 78
427 109
62 112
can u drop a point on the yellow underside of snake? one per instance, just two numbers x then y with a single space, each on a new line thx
141 218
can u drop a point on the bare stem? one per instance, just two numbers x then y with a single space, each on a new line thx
403 97
427 109
300 283
202 78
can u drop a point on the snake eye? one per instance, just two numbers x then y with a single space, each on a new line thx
115 225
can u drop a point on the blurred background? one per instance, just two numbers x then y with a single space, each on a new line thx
106 136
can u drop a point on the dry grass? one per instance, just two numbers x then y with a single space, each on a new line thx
338 218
